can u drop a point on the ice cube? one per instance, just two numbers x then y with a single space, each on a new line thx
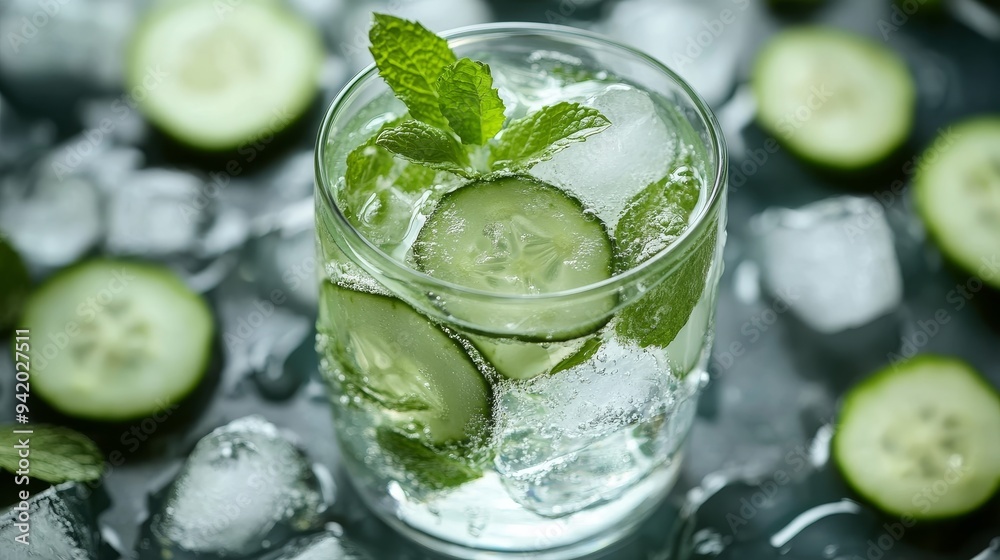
50 217
324 546
244 488
833 262
609 168
155 212
701 40
585 435
61 523
285 254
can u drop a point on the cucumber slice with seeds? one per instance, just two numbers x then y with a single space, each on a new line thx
517 359
216 76
836 99
921 438
400 360
117 340
518 236
958 195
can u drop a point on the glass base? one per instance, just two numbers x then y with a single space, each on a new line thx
631 509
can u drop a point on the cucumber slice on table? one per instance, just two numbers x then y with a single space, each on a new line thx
958 195
215 78
399 359
117 340
922 438
518 236
14 285
836 99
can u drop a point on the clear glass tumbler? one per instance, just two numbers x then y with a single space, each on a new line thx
485 424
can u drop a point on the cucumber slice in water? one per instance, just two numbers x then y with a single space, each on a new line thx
14 285
833 98
216 76
958 195
920 438
518 236
399 359
517 359
117 340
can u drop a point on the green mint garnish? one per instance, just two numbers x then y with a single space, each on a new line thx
410 58
55 454
422 143
653 220
469 102
454 109
542 134
430 468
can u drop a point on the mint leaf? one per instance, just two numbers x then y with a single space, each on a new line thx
469 101
380 190
56 454
410 58
14 285
652 221
430 468
422 143
544 133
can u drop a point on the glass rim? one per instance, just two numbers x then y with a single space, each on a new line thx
386 263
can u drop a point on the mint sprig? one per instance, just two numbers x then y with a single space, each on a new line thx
470 102
422 143
410 59
542 134
454 109
55 454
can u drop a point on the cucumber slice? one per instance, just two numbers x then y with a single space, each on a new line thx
958 195
516 359
396 358
833 98
652 221
216 76
518 236
117 340
14 285
921 438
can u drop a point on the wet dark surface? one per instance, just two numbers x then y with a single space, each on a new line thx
755 460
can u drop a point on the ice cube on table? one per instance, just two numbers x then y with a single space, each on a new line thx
324 546
61 523
584 435
156 212
701 40
611 167
51 220
833 262
244 488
